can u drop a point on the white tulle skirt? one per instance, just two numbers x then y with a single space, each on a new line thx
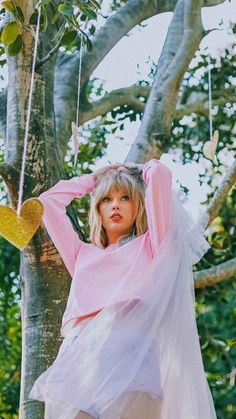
63 373
140 358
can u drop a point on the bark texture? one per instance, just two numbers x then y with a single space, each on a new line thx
132 13
209 277
45 282
220 194
183 38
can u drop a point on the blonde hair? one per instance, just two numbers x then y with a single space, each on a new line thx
112 179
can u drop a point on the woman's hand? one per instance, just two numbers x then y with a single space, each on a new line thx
105 169
137 166
118 166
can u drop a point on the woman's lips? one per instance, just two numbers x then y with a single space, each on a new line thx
116 218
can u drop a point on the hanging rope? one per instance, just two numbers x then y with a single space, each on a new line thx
21 185
210 96
75 126
79 81
209 148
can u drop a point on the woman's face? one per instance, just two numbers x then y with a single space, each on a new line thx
116 202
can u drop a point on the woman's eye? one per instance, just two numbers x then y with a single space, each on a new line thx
124 197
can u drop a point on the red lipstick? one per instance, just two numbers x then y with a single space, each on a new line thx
116 217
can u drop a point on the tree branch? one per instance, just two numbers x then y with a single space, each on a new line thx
208 277
132 13
11 177
5 171
199 107
120 97
120 23
183 38
130 96
3 113
221 192
47 57
211 3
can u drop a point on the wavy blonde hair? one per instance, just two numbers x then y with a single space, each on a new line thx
128 180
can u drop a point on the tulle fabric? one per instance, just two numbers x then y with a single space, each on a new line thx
108 355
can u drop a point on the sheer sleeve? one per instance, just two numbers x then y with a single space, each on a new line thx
56 220
158 201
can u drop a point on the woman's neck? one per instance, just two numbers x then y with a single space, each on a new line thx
128 236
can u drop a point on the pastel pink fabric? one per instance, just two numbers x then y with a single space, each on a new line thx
92 268
145 333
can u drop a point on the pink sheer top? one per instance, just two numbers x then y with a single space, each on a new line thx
95 271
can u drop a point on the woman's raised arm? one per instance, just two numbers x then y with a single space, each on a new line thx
57 222
158 201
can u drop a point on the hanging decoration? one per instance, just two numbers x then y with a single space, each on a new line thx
18 227
209 148
75 125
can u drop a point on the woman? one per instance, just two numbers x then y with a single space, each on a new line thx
131 348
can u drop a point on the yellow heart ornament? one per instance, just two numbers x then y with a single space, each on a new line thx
19 229
209 148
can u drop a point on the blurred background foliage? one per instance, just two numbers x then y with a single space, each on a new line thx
215 306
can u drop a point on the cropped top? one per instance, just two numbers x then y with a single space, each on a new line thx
95 270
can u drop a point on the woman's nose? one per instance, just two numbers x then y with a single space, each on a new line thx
115 204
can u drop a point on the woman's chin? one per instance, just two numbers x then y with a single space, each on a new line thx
115 227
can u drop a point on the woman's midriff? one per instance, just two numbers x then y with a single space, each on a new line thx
80 318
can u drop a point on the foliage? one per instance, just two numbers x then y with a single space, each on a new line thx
196 125
10 331
216 317
74 19
216 314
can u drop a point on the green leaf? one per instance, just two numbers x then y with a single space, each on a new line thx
16 46
92 30
83 17
95 3
7 5
90 13
68 37
10 33
45 2
2 50
34 18
19 14
45 20
89 45
55 17
2 62
66 10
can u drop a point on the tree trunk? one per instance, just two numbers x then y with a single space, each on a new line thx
44 279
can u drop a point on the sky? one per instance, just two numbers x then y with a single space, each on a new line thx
144 42
119 69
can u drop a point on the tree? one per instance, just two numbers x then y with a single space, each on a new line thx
44 281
